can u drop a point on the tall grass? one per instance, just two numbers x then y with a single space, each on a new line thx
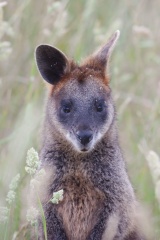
77 28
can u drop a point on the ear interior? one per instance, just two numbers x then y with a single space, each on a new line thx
52 63
101 57
104 53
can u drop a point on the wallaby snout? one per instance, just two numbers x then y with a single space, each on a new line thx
84 136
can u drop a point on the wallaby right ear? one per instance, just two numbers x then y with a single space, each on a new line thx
52 63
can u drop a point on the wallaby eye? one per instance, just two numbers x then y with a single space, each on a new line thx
99 106
66 106
66 109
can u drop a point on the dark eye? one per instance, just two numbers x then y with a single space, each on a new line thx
66 109
66 106
99 106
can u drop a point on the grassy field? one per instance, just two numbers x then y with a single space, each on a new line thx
78 28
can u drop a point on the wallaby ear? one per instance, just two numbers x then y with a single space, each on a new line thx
52 63
101 57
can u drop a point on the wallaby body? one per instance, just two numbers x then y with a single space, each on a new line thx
81 152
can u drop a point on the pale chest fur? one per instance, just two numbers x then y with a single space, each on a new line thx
81 205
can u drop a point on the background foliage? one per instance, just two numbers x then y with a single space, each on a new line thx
78 28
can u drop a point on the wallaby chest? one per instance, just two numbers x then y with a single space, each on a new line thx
81 205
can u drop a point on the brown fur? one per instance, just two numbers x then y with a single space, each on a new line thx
80 73
79 215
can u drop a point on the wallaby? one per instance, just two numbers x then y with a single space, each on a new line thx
81 149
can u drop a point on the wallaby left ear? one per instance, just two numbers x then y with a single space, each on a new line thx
52 63
101 57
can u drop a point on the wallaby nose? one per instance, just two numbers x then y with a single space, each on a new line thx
84 136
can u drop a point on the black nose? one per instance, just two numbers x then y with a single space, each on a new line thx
84 136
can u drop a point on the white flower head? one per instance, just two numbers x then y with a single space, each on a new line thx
14 183
32 214
57 197
4 212
12 189
30 170
11 196
32 161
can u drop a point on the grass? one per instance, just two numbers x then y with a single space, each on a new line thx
77 28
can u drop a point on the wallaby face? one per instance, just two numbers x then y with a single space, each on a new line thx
83 111
80 105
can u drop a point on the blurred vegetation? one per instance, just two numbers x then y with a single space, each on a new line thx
78 28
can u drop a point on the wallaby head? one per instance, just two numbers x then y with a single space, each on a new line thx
79 106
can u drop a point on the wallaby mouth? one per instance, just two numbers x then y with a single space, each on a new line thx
84 150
